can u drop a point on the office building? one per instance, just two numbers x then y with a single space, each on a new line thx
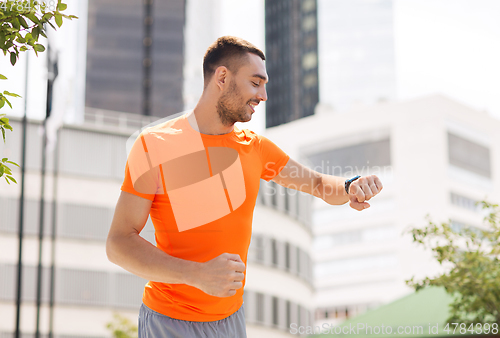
119 70
83 188
434 157
291 60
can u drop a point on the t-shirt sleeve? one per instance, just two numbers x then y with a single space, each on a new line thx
273 158
140 179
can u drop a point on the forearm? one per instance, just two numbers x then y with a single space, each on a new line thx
331 189
138 256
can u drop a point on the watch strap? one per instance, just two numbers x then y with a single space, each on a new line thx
348 183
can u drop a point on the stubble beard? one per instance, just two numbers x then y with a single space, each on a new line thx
227 108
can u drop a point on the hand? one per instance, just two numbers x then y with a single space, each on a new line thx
221 276
362 190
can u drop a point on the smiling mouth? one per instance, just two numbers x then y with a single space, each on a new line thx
252 106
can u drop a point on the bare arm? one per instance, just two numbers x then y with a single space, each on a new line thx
327 187
220 276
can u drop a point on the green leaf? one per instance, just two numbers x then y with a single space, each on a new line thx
3 77
47 16
15 23
39 47
7 170
61 7
11 94
1 170
2 103
59 20
24 48
42 33
4 159
23 22
3 134
12 179
14 163
34 32
5 120
8 102
32 17
7 179
13 59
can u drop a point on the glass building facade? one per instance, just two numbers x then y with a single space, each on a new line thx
116 58
291 59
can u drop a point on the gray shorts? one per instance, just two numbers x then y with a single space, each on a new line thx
155 325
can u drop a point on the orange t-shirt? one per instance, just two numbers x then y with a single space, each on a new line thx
203 189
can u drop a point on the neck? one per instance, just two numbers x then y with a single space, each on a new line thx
205 118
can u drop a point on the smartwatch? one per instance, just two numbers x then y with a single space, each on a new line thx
348 183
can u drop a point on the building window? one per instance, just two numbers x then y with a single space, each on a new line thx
463 202
469 155
299 258
288 314
308 5
287 255
274 194
260 249
274 247
300 319
460 227
275 311
260 307
287 201
355 159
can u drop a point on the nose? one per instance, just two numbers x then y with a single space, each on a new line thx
262 94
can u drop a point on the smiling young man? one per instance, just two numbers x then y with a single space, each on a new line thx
198 177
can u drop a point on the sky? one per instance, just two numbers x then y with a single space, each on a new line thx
450 47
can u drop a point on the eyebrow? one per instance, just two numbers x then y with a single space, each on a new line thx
262 77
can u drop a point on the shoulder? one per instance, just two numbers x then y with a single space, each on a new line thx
168 126
247 136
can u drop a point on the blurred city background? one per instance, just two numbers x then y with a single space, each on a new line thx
407 90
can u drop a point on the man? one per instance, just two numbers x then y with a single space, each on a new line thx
198 177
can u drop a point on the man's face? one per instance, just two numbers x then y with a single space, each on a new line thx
246 89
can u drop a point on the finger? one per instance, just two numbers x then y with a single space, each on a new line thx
357 205
358 192
234 257
378 182
236 285
374 189
367 190
238 276
238 266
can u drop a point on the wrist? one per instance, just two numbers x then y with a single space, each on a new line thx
191 273
348 183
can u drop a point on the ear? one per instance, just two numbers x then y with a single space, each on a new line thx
221 77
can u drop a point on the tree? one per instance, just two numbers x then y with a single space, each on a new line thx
122 327
470 257
21 25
